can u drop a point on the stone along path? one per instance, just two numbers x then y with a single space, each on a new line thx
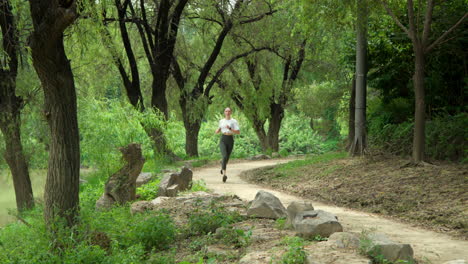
427 245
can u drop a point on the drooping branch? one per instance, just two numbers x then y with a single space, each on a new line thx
412 25
227 64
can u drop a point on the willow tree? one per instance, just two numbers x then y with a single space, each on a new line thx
261 84
418 31
158 25
50 19
195 96
10 108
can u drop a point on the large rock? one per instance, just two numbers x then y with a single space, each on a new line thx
160 200
297 207
144 178
121 186
105 202
309 224
344 240
380 244
172 183
141 207
266 205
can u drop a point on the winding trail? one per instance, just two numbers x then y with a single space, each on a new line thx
428 245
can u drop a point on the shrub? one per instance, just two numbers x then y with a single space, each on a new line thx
445 137
202 222
295 253
156 232
149 191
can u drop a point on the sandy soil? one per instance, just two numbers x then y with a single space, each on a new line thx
428 245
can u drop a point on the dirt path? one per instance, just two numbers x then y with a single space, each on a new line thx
427 245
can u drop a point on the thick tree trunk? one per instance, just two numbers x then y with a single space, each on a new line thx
360 143
54 71
274 126
192 127
158 99
192 130
10 107
420 109
351 117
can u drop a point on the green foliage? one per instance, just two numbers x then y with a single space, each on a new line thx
149 191
207 221
296 137
319 238
155 232
280 223
445 137
295 253
236 237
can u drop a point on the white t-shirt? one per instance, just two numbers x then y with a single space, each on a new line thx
232 123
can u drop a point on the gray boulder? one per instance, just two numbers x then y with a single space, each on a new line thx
104 202
172 183
144 178
380 244
141 207
297 207
309 224
266 205
159 200
344 240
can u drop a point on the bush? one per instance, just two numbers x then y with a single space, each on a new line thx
202 222
445 137
295 253
156 232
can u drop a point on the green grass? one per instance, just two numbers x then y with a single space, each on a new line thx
287 167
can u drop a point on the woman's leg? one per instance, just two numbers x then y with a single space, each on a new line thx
224 153
226 145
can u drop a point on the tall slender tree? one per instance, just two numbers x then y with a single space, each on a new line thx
10 108
359 144
420 36
50 19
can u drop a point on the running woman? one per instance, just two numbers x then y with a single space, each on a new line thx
228 127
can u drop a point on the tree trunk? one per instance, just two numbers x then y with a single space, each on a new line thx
359 144
192 126
192 130
258 126
277 114
420 109
61 198
158 99
14 156
351 117
10 107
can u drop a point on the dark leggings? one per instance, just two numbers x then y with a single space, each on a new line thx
226 145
